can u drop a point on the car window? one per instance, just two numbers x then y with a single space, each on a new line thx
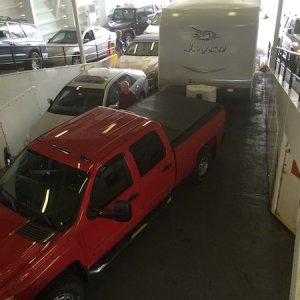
89 35
31 31
121 14
73 101
131 80
113 94
3 30
64 37
112 179
16 31
140 13
148 152
297 27
143 49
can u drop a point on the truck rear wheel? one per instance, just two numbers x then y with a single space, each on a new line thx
64 287
202 166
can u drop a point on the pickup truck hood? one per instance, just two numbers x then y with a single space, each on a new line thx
13 246
46 123
119 25
145 63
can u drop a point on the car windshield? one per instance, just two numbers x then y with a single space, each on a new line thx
123 14
43 190
297 27
73 101
156 19
143 49
64 37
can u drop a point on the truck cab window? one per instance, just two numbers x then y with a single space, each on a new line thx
112 179
148 152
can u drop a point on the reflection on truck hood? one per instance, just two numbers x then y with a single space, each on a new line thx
119 25
13 246
46 123
145 63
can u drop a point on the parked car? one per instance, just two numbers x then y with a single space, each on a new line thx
98 86
142 54
63 47
21 44
154 24
290 40
131 20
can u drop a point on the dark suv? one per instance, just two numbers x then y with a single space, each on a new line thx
131 20
21 44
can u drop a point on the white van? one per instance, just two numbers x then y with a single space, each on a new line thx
208 42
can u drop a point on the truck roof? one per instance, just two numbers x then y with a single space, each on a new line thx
85 140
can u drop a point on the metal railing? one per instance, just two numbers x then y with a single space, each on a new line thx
14 57
287 64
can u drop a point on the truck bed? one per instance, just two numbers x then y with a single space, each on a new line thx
179 115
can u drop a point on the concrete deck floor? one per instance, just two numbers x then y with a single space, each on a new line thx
216 241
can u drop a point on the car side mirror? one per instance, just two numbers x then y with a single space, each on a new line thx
50 101
290 31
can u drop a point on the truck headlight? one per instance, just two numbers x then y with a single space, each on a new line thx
151 75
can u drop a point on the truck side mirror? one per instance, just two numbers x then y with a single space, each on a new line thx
50 101
121 212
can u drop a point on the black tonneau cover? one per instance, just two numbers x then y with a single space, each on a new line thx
180 116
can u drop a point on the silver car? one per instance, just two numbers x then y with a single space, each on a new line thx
63 48
142 54
98 86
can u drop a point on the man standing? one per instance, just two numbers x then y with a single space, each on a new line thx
127 98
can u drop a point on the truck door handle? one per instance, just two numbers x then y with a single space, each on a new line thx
132 197
166 168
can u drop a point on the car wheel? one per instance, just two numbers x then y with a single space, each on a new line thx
64 287
202 166
128 38
141 97
34 61
76 60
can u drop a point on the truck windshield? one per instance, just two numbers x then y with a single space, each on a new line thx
43 190
64 37
73 101
123 14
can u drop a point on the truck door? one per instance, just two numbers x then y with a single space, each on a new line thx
112 182
156 169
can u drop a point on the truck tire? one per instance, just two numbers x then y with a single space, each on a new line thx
64 287
202 166
34 61
128 38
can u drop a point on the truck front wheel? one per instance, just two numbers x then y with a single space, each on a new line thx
64 287
202 166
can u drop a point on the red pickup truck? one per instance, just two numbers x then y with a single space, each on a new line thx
80 192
